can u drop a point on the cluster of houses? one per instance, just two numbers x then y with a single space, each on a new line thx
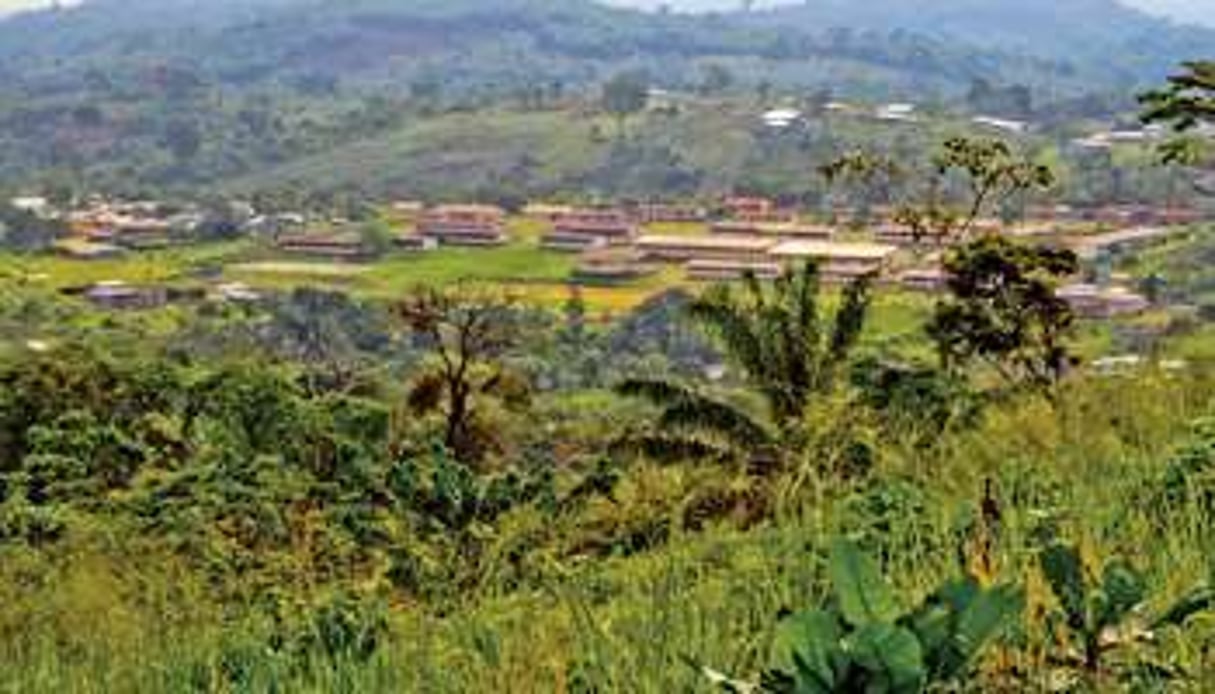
735 237
790 117
99 227
787 117
756 236
121 295
103 228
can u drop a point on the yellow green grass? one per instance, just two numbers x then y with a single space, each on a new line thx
628 624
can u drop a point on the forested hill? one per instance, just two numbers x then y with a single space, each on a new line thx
1084 33
193 91
1095 43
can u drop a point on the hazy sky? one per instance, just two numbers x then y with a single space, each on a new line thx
1191 10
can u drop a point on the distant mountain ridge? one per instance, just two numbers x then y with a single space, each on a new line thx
1075 29
197 90
1191 11
1096 39
243 40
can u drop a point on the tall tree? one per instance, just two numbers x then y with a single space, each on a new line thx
468 333
625 94
967 180
1187 102
1003 311
775 334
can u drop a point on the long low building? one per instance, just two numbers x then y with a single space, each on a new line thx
874 254
564 242
841 262
465 225
924 279
778 230
898 235
594 227
685 248
341 246
719 270
651 213
1093 301
611 266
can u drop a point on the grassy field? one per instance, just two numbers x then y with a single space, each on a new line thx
630 623
146 267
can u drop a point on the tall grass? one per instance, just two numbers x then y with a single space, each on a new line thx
1084 469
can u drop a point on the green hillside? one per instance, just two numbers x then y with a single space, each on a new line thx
152 94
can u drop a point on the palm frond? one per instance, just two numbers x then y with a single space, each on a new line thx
808 286
735 327
667 448
657 391
850 319
700 413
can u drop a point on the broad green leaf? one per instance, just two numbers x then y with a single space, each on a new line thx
891 657
958 593
933 626
989 614
863 594
1199 600
1064 571
804 645
1123 589
808 681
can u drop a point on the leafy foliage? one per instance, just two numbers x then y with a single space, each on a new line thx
862 642
468 335
1187 101
966 180
1103 609
1003 310
775 335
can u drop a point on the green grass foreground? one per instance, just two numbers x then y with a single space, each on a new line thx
100 615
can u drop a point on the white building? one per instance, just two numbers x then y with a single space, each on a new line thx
781 118
897 113
1007 125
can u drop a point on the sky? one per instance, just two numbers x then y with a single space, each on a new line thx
1202 11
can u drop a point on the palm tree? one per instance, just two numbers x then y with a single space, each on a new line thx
775 335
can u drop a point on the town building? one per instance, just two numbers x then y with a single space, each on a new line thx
1121 241
924 279
1004 125
897 113
33 204
465 225
120 295
1095 301
546 212
787 230
83 249
340 246
611 267
657 213
836 261
582 230
756 209
708 270
721 248
415 243
781 118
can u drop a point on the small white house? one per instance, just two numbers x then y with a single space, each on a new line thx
1007 125
781 118
897 113
32 204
